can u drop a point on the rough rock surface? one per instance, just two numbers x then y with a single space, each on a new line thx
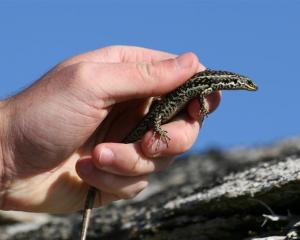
238 194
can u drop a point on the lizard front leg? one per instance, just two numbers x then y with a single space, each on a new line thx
203 108
163 134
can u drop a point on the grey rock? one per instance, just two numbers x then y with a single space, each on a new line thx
215 195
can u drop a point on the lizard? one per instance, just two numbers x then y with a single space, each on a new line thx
163 110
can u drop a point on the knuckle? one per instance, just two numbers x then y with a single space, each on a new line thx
110 50
81 68
108 181
132 191
82 71
145 71
118 51
135 166
113 48
127 195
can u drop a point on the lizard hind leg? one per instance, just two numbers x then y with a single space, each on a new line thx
162 134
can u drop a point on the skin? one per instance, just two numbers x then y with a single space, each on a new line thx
62 133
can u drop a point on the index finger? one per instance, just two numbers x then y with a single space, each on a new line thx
119 54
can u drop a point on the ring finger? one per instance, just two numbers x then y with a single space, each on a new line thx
120 186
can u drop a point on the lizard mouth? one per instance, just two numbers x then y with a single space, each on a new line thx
252 87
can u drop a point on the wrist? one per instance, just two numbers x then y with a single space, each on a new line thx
2 136
4 121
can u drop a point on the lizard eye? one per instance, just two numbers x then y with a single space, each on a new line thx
250 85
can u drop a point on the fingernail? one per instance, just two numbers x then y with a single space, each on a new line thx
143 184
106 157
86 168
184 61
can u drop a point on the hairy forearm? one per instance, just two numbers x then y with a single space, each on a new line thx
2 126
2 134
4 121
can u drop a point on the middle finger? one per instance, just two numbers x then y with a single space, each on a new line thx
126 159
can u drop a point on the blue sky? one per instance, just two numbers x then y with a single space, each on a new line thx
257 38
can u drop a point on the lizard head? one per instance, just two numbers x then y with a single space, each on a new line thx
232 81
247 84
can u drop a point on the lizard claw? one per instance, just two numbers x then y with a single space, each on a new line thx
163 136
204 112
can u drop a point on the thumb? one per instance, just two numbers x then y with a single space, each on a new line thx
125 81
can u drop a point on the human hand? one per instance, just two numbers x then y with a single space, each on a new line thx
63 132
